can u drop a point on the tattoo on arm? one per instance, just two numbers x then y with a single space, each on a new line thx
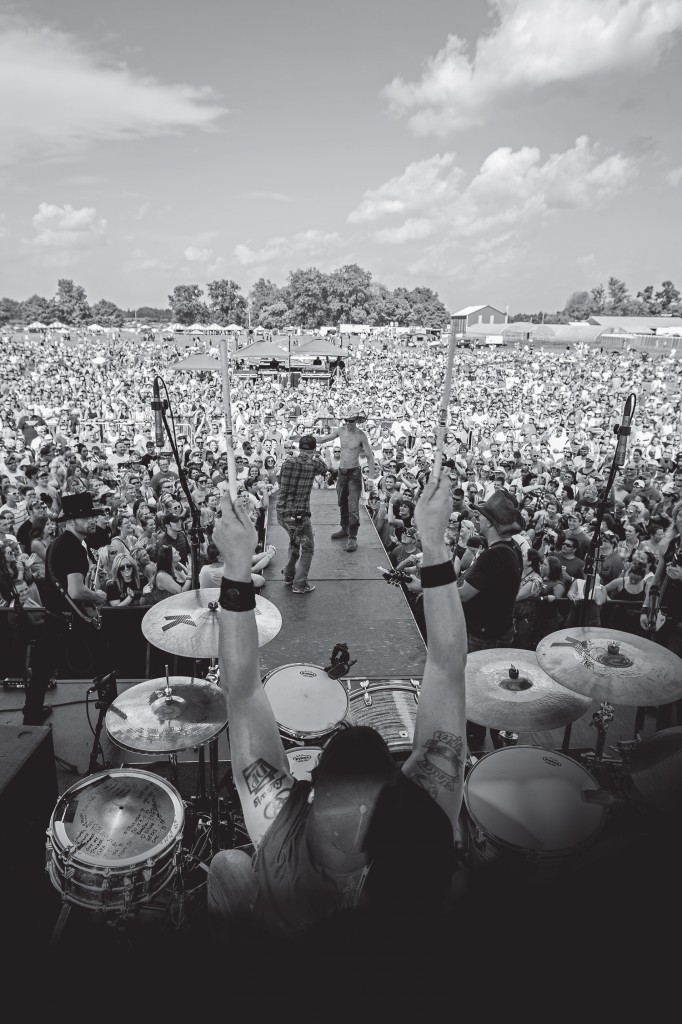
268 786
442 761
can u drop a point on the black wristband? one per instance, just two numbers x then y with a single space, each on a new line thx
236 596
437 575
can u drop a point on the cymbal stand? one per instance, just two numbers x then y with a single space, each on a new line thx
213 674
508 738
600 721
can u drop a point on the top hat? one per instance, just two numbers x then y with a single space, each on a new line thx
78 506
502 511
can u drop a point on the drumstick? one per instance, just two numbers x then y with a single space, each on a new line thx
443 414
225 371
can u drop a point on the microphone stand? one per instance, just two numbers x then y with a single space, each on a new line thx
196 534
592 559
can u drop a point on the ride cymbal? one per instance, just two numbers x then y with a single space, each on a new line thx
607 664
187 623
507 689
148 719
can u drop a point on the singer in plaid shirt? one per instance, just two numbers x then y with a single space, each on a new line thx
293 512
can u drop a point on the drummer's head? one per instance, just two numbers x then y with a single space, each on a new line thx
355 797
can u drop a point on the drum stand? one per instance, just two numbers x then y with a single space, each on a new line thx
106 694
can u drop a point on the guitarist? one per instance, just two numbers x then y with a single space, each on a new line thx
65 571
662 613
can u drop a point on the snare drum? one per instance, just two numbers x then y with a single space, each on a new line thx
391 709
302 760
525 804
307 704
114 839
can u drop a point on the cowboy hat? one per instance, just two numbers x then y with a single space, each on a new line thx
502 511
354 413
78 506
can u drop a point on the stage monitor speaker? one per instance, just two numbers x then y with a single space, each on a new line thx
28 796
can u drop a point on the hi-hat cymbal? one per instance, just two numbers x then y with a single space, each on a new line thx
607 664
148 720
187 623
507 689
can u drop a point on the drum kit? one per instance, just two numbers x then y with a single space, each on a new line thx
115 839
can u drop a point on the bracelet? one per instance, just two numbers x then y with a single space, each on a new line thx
236 596
437 575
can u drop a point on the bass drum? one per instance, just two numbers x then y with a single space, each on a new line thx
302 761
525 805
114 840
391 709
308 706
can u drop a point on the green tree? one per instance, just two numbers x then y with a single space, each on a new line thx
597 300
186 304
647 303
427 310
71 303
668 297
263 293
37 308
578 306
308 297
226 303
107 314
154 313
275 316
10 311
350 294
619 302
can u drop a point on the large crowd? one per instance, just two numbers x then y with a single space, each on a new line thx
75 416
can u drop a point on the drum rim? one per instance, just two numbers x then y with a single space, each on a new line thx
292 664
375 687
172 837
541 852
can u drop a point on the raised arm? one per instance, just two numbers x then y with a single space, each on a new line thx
259 763
367 449
439 747
325 438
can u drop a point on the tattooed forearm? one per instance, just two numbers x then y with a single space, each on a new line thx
274 806
268 787
258 774
426 784
442 760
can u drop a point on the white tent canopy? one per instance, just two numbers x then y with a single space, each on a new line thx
56 323
234 327
95 327
37 326
196 327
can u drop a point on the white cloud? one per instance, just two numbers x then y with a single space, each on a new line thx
511 188
275 197
674 177
194 255
142 211
533 44
66 96
64 227
420 183
308 244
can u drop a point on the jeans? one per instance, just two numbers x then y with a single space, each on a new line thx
301 550
348 491
476 733
232 891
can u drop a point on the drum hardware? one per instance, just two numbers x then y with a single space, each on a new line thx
309 706
107 692
390 707
340 661
601 721
213 673
508 738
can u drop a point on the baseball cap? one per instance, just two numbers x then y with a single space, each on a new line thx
307 443
638 483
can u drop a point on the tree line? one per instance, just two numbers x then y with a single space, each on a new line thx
313 299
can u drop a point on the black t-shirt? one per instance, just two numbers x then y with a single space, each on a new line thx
65 555
99 538
671 600
496 574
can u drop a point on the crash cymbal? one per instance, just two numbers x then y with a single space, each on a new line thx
119 815
187 623
656 770
148 720
607 664
507 689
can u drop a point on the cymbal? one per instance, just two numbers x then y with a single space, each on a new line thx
656 769
187 623
147 720
118 816
610 665
532 700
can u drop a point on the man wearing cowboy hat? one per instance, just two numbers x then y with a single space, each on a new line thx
66 568
354 442
489 587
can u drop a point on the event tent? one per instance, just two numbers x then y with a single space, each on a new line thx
37 326
234 327
198 328
318 347
198 362
56 323
260 350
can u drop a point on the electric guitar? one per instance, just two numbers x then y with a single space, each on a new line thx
656 618
88 611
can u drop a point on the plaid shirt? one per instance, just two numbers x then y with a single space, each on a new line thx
295 484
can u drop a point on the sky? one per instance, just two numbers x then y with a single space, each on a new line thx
506 152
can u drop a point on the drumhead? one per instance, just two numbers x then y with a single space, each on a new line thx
117 818
302 760
305 701
530 798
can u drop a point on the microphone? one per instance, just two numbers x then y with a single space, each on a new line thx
623 431
157 406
